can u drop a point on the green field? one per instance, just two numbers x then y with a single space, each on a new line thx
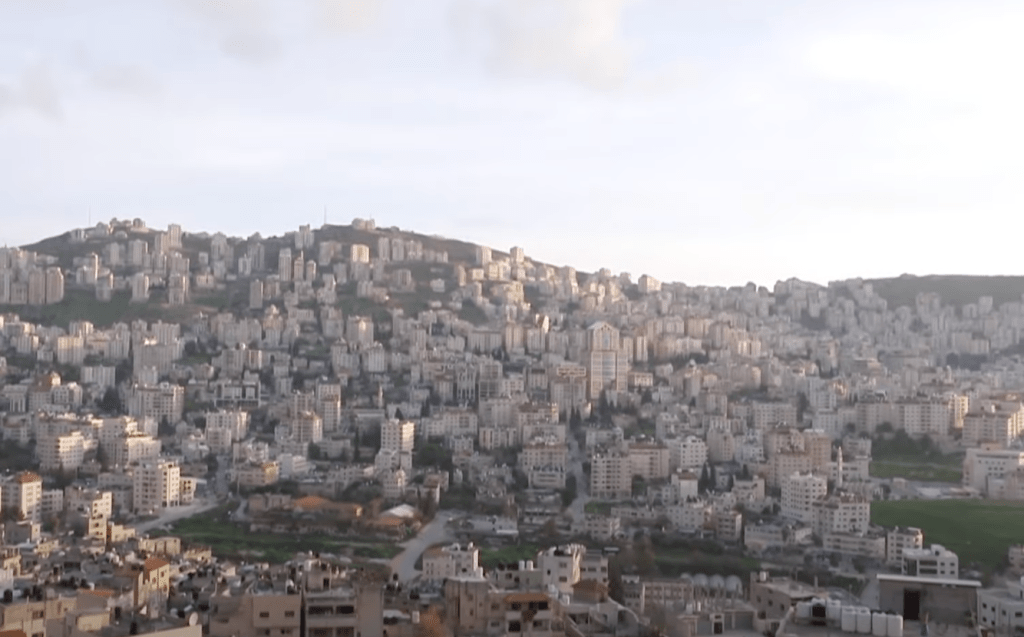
979 531
508 554
81 305
924 472
230 540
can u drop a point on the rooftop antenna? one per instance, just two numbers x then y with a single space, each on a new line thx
325 214
90 215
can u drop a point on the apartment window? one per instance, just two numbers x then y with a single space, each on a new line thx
289 613
264 614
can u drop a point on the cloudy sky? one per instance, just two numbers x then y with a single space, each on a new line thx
707 141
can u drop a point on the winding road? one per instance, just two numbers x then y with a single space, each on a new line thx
404 564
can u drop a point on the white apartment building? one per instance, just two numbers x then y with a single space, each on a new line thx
307 427
455 560
934 561
690 517
799 493
156 484
398 435
649 461
607 366
23 496
993 424
563 566
163 401
543 454
1002 609
61 452
899 539
611 476
843 513
721 446
989 463
918 418
688 453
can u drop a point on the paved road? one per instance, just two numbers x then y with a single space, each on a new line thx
404 564
173 514
577 456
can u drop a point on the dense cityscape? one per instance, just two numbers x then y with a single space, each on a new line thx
355 431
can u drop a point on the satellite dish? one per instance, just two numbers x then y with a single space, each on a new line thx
193 619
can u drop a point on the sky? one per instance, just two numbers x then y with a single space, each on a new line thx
713 142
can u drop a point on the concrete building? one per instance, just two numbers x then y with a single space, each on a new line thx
156 485
455 560
800 491
899 539
934 561
611 475
22 495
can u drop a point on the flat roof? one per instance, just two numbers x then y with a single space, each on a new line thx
942 581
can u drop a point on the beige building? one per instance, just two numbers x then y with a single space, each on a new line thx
398 435
23 496
307 427
800 492
651 461
61 453
255 475
993 423
607 365
163 401
454 560
272 613
156 484
983 465
899 539
842 513
611 475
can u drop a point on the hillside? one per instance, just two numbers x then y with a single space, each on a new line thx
955 289
80 304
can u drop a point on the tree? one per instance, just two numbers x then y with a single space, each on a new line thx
647 397
111 401
712 478
570 490
802 405
704 480
165 429
399 415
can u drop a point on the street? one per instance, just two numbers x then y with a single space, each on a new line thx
404 564
173 514
576 458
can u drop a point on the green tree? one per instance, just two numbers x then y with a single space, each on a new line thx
704 481
111 401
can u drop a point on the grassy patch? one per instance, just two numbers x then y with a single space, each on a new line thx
490 558
230 540
924 472
599 508
954 289
472 314
979 531
81 305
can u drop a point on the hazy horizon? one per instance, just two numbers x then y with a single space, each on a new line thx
708 143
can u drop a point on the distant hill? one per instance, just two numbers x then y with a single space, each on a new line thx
955 289
80 304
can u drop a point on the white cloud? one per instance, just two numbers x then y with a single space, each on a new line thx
35 91
345 16
575 38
